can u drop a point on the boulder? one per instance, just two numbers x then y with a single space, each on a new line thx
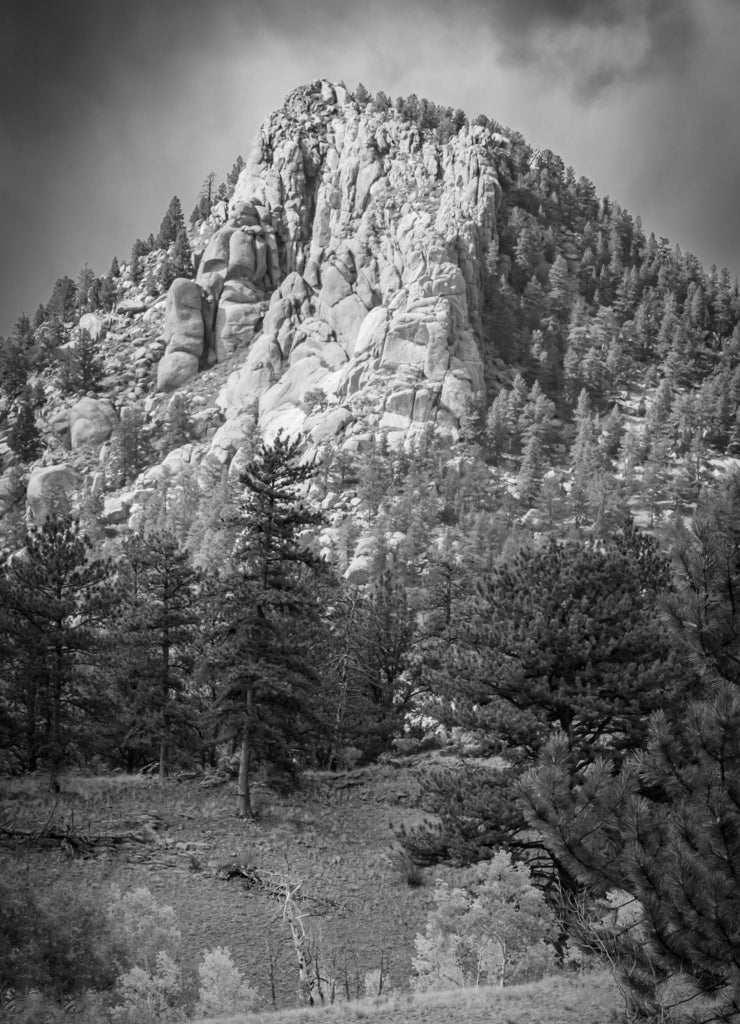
243 388
93 324
238 318
455 394
371 335
294 287
216 256
130 307
242 256
278 312
59 423
184 329
115 511
330 353
91 422
50 486
232 436
287 421
360 569
346 318
329 424
175 369
334 285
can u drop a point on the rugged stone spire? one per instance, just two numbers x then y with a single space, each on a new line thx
350 263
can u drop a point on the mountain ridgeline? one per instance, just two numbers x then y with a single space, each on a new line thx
395 443
380 273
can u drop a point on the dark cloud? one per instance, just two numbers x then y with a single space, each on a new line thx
593 43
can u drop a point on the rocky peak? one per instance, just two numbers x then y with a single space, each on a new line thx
337 296
349 264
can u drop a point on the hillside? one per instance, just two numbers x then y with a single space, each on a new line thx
334 836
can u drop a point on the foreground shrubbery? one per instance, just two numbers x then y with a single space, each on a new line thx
68 955
494 928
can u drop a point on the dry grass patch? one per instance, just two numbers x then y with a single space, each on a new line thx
582 999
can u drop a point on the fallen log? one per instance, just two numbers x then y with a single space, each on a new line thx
75 839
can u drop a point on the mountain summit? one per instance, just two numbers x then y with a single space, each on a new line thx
350 261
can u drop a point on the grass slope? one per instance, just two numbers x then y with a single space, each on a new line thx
589 999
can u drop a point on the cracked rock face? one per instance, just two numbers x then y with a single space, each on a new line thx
350 263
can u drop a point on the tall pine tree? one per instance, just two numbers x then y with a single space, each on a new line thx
270 614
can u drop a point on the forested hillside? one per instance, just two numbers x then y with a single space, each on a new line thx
406 440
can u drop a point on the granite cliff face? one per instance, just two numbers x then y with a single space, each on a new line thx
338 295
348 271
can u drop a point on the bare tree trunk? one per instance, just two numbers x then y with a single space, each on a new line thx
307 968
244 802
164 754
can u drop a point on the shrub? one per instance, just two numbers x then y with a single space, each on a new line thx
403 863
56 941
150 996
143 928
496 930
223 988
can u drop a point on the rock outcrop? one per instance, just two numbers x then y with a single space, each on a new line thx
50 486
184 334
350 264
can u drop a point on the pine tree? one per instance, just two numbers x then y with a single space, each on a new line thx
85 282
562 637
81 368
178 263
270 613
206 199
63 300
172 223
130 447
138 251
108 292
56 602
665 827
383 675
159 623
530 471
233 176
24 437
15 367
585 459
178 423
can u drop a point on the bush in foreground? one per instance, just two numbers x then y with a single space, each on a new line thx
495 930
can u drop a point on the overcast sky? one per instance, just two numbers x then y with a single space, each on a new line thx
107 108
